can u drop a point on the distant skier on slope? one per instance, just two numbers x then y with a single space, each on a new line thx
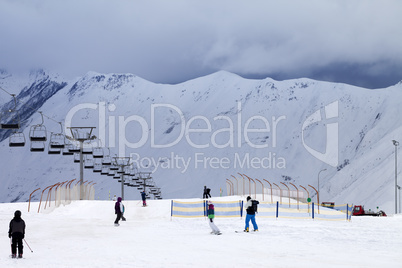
17 234
118 210
144 198
211 216
251 208
207 192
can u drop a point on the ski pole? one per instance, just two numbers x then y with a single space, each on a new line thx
28 245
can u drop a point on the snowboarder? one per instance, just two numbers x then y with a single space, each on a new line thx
17 234
206 193
118 210
211 216
144 198
251 208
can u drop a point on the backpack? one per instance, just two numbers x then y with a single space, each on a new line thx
254 205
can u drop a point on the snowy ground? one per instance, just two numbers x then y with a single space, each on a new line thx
82 235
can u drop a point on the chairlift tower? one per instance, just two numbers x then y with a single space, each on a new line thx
81 134
122 162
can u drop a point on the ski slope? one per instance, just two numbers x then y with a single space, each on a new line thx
82 235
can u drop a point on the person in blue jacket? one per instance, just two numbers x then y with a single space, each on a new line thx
118 210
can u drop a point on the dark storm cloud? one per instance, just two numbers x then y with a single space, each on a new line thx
356 42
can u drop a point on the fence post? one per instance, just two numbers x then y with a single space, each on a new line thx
241 209
312 209
277 209
29 203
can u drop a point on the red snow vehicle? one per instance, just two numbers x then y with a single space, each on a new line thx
359 211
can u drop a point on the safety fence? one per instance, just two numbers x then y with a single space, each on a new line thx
63 193
265 209
199 209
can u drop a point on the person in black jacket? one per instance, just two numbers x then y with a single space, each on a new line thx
207 192
250 214
16 233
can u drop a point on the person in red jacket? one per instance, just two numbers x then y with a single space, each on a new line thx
17 234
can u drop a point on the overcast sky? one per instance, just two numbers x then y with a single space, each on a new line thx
170 41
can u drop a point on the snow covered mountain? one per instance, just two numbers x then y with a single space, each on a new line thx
202 131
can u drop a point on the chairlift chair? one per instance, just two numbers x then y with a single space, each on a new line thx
105 170
88 162
37 146
114 167
120 170
57 140
51 150
97 152
107 159
116 176
66 149
87 147
38 132
14 121
97 167
74 148
77 158
17 139
111 172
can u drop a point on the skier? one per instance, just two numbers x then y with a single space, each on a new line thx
206 193
118 210
251 208
114 198
16 233
144 197
211 216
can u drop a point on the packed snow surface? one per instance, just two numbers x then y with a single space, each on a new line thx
82 234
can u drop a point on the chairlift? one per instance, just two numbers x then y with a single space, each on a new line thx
116 176
105 170
51 150
37 146
111 172
17 139
97 167
66 150
107 160
77 158
120 170
38 132
114 168
98 151
88 162
87 147
14 117
58 140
